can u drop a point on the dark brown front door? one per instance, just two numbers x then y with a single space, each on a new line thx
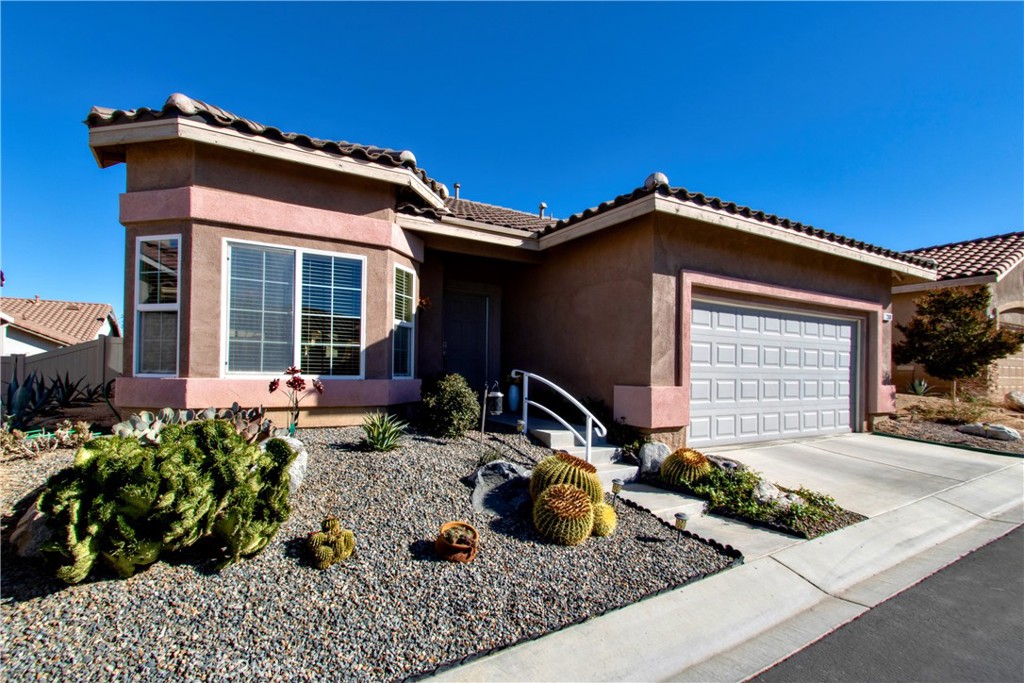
465 336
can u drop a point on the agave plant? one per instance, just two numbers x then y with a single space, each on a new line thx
383 431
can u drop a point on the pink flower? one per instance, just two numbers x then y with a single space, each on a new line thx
296 383
292 371
319 386
274 384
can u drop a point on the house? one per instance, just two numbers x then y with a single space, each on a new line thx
33 326
249 249
995 262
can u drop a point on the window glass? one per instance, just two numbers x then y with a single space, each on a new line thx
403 336
331 332
260 309
156 313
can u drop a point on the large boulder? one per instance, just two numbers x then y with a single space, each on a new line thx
651 455
1015 400
500 488
990 431
297 470
30 533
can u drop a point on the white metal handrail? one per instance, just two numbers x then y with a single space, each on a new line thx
593 424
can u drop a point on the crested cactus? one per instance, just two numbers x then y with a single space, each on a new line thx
563 468
605 519
685 466
331 545
564 514
123 502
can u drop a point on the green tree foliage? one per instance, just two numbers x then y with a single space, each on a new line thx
449 407
952 335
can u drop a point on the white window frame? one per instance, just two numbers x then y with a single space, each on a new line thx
151 308
297 253
396 323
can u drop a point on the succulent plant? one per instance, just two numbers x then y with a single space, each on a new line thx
147 426
563 468
563 513
685 466
605 520
331 545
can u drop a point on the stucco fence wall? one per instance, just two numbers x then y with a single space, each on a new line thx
97 361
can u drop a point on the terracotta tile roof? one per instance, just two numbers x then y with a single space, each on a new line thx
178 105
995 255
699 199
67 322
481 213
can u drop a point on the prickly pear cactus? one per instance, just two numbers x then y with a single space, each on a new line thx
605 520
685 466
564 514
563 468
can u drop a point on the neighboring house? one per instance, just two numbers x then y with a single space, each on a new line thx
249 250
994 262
33 326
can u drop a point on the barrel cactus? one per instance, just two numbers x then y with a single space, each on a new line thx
563 513
605 520
563 468
685 466
332 544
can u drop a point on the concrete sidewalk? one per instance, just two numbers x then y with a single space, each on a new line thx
928 505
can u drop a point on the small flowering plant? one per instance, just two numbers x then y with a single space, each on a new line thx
296 384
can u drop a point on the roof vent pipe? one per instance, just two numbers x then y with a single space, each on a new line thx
542 207
457 186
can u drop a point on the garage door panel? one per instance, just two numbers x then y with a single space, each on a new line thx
761 375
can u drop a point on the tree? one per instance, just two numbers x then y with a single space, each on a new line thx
952 335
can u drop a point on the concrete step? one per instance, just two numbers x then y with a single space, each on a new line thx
561 438
662 503
599 455
608 471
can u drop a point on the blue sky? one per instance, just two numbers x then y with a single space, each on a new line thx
897 124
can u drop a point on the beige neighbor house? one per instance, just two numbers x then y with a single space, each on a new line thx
249 250
33 326
994 262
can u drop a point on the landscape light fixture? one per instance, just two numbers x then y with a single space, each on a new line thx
616 487
495 401
681 519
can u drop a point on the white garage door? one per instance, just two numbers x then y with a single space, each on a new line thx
759 375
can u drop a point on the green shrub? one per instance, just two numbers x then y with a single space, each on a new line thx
450 408
383 431
124 502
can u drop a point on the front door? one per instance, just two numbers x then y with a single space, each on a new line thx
466 318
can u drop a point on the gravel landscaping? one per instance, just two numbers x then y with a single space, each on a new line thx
945 434
390 612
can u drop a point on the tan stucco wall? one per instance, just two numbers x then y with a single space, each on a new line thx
583 317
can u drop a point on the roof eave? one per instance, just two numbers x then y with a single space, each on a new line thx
676 207
470 230
108 143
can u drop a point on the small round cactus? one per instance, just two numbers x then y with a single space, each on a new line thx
323 557
685 466
564 514
331 525
605 520
563 468
331 545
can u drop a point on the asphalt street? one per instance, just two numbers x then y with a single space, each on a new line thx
964 623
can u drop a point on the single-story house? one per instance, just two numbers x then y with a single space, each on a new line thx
249 250
32 326
995 262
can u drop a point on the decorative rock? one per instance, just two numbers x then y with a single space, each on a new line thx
297 471
1015 400
652 455
30 533
765 492
500 488
727 465
990 431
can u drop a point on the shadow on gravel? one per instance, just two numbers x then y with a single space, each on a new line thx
423 550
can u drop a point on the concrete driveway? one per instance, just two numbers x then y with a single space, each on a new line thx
927 506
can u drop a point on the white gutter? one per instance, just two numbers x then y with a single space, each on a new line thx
228 138
469 230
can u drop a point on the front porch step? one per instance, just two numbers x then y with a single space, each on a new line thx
613 470
662 503
599 455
